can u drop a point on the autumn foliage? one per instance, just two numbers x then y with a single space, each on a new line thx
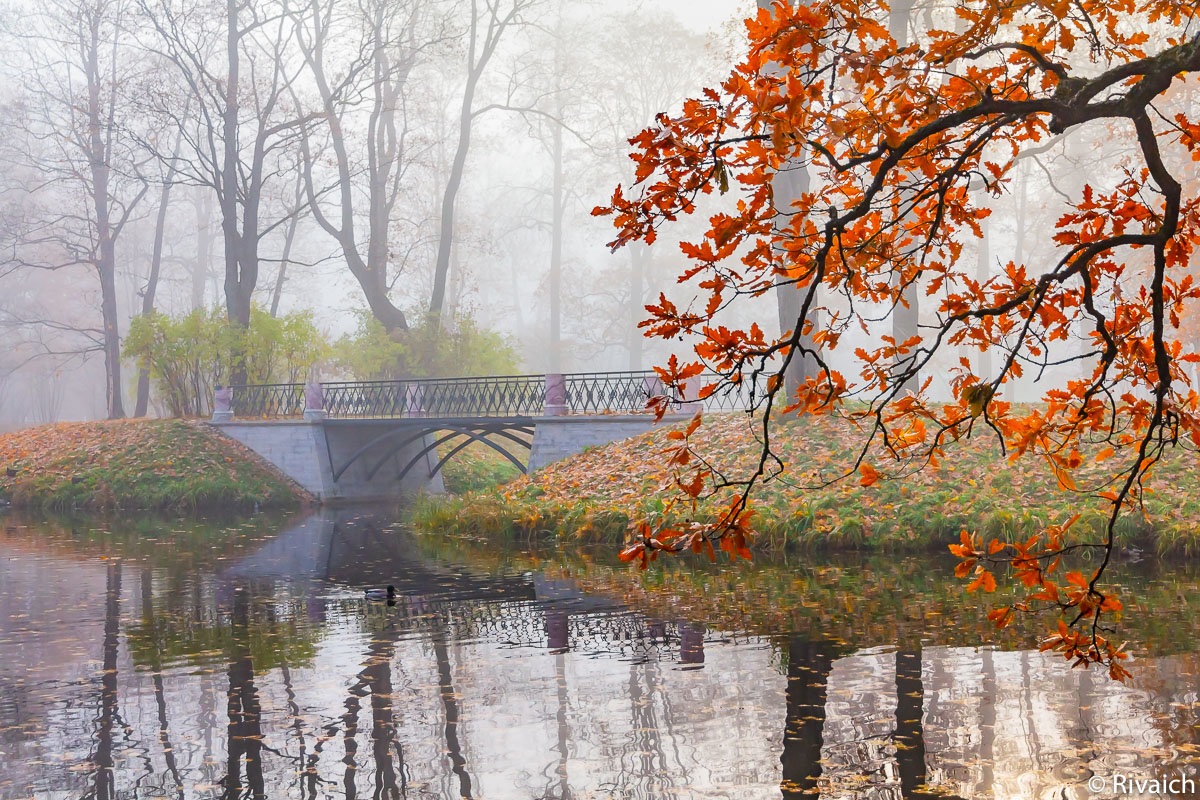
905 145
163 465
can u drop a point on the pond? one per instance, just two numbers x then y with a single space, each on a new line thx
209 659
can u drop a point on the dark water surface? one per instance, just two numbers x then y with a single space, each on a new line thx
198 660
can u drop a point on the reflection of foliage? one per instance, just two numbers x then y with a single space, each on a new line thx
857 601
171 637
143 464
177 544
597 493
186 355
428 349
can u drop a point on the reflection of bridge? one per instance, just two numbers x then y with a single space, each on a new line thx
371 439
355 550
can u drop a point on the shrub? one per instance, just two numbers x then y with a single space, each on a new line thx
189 355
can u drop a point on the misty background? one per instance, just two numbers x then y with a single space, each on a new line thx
412 164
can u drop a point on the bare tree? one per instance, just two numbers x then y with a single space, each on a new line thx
490 20
74 59
150 289
388 40
237 63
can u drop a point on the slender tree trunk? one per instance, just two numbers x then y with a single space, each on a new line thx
202 267
148 294
639 259
437 300
787 185
556 241
277 292
229 167
105 257
241 246
983 271
907 312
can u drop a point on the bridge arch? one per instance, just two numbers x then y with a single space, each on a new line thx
398 439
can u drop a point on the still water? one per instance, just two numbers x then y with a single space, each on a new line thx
142 660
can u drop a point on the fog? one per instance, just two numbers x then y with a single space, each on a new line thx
380 157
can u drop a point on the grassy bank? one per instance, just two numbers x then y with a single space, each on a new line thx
476 467
596 494
169 465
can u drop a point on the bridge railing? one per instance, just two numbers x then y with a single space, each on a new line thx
492 396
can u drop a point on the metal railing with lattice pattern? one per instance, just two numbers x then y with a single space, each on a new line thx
491 396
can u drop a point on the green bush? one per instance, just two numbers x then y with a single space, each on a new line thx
458 346
188 356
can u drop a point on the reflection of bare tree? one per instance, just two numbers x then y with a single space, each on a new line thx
156 674
450 706
376 678
987 722
809 664
104 786
378 674
910 733
1030 724
245 712
910 738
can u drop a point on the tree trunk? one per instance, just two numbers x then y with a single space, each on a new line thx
907 311
160 224
787 184
437 300
640 256
556 238
202 267
288 237
241 246
104 257
983 271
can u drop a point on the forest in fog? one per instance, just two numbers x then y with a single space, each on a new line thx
379 188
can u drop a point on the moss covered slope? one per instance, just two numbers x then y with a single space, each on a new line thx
598 492
137 464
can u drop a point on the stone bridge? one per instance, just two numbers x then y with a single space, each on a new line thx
376 440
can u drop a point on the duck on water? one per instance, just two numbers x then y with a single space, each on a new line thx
381 594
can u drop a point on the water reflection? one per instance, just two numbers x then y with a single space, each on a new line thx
116 653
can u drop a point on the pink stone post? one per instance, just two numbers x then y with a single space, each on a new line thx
689 396
314 402
556 394
412 400
222 404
